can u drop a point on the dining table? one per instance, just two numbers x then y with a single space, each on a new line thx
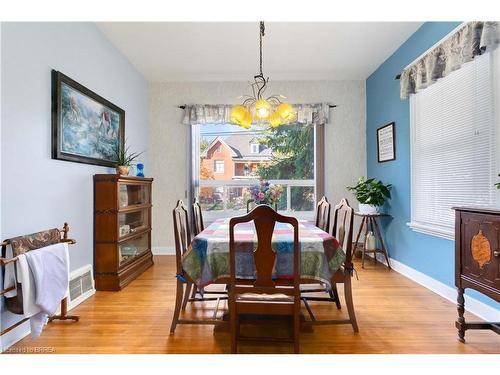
207 259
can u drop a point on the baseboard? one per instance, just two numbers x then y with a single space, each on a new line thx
163 250
17 334
472 305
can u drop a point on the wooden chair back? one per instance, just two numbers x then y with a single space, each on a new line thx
323 214
251 205
182 235
198 225
264 218
342 229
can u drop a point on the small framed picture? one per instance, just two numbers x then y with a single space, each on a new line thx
386 143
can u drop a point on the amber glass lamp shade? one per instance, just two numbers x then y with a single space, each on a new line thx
262 109
274 120
247 120
237 114
286 112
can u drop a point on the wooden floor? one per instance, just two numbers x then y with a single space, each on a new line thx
395 315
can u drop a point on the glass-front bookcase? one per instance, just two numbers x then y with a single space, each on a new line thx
122 229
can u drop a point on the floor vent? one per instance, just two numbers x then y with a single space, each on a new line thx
81 285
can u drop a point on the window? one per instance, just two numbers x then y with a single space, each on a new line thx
224 195
455 153
254 148
219 166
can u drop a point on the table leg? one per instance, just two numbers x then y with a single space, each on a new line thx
460 324
384 250
358 235
372 228
364 244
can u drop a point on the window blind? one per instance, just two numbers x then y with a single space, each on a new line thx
454 146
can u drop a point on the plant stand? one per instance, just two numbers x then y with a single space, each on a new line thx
370 221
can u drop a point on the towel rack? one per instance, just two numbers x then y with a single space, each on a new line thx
64 303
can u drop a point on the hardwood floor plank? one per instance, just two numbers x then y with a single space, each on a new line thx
395 315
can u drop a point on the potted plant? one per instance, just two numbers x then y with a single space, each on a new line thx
371 194
498 184
124 158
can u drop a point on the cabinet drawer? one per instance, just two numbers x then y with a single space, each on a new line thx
480 237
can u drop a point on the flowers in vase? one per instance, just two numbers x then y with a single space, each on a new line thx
266 193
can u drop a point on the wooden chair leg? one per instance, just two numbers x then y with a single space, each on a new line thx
187 293
234 332
296 333
178 304
195 290
334 293
348 300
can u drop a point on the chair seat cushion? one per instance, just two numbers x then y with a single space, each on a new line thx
264 297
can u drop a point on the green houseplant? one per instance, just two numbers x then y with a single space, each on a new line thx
371 194
124 158
498 184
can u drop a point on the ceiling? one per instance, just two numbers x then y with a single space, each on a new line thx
226 51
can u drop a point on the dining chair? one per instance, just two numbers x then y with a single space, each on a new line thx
265 295
198 227
342 230
323 214
182 237
251 205
322 221
197 216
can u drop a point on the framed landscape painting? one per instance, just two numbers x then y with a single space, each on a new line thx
86 128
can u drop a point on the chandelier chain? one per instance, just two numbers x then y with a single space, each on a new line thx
261 34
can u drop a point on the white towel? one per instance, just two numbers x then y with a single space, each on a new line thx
50 270
30 308
44 275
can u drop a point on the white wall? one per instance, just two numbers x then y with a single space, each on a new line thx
38 192
345 136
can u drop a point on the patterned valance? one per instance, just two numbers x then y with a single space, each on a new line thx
469 41
315 113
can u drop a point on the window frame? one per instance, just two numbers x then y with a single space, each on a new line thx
256 145
218 162
318 182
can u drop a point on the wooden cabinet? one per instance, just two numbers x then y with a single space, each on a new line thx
122 229
477 260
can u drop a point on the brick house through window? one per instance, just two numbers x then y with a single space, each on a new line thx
235 157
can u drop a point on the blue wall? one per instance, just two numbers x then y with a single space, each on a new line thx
430 255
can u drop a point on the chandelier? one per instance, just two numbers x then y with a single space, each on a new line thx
258 109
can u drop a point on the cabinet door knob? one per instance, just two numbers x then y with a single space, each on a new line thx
496 253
